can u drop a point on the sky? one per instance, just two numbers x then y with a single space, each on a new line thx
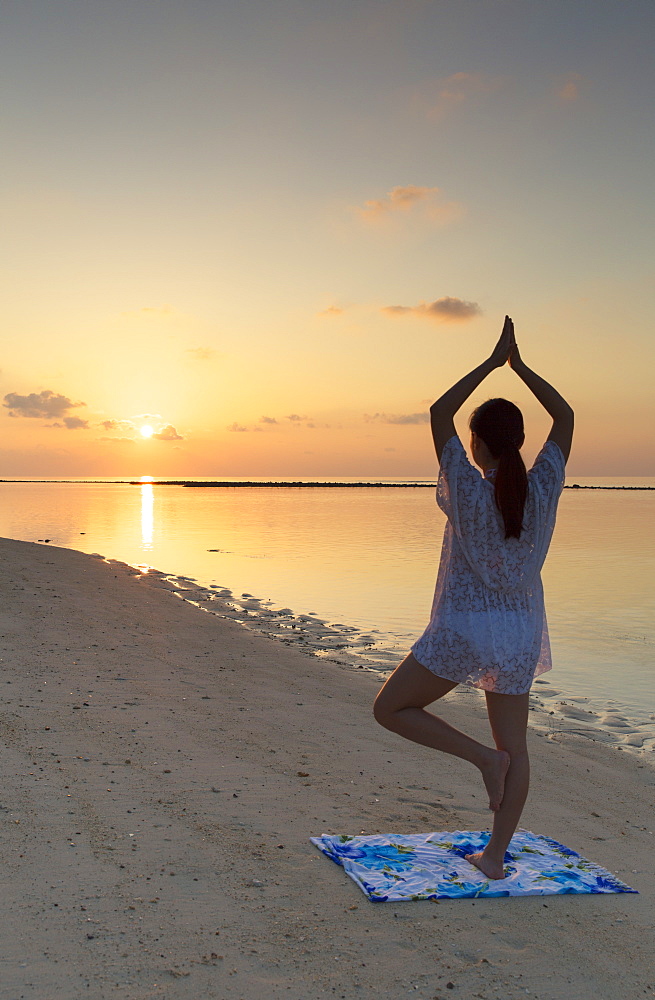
272 232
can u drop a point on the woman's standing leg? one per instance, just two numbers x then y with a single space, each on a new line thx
400 707
508 715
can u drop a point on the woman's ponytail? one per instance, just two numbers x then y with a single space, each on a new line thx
511 489
499 424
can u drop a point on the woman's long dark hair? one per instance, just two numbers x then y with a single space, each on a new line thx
499 424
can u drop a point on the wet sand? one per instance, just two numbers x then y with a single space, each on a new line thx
163 769
552 713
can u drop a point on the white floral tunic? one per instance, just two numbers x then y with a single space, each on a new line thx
488 622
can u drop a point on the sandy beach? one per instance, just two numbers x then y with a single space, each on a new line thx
164 768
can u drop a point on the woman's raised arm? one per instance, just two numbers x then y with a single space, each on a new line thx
562 430
444 409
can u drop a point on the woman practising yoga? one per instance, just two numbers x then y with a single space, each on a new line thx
488 625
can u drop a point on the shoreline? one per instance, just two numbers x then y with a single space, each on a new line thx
551 710
164 769
554 709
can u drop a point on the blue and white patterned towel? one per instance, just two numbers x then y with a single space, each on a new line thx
396 867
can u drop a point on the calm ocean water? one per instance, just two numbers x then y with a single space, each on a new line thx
367 559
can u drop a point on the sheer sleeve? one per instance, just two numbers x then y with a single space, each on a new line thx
458 481
468 502
548 471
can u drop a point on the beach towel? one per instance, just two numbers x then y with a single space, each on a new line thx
398 867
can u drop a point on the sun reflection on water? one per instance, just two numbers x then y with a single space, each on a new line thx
147 512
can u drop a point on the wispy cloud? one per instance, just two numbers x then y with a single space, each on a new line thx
168 433
150 418
444 310
396 418
331 311
567 88
120 426
236 428
427 202
441 98
297 421
44 405
201 353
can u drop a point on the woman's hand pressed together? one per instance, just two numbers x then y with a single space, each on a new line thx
506 344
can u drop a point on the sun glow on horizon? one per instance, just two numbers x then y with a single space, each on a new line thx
147 431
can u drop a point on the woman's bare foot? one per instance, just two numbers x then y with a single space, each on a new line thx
493 774
492 869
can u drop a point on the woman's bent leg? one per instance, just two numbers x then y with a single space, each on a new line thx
508 715
400 707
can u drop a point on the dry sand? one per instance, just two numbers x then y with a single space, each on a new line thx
163 769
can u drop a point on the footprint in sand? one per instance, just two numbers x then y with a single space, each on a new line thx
571 712
615 721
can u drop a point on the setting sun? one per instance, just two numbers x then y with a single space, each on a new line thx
147 431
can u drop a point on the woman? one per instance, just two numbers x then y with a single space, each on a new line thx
488 626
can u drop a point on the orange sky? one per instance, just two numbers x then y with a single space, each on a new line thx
276 233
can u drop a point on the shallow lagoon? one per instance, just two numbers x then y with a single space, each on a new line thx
366 559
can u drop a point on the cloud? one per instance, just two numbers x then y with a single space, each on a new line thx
297 421
122 426
567 88
168 433
445 310
331 311
440 98
426 201
201 353
396 418
41 405
71 423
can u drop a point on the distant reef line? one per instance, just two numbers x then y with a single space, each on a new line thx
384 486
274 484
